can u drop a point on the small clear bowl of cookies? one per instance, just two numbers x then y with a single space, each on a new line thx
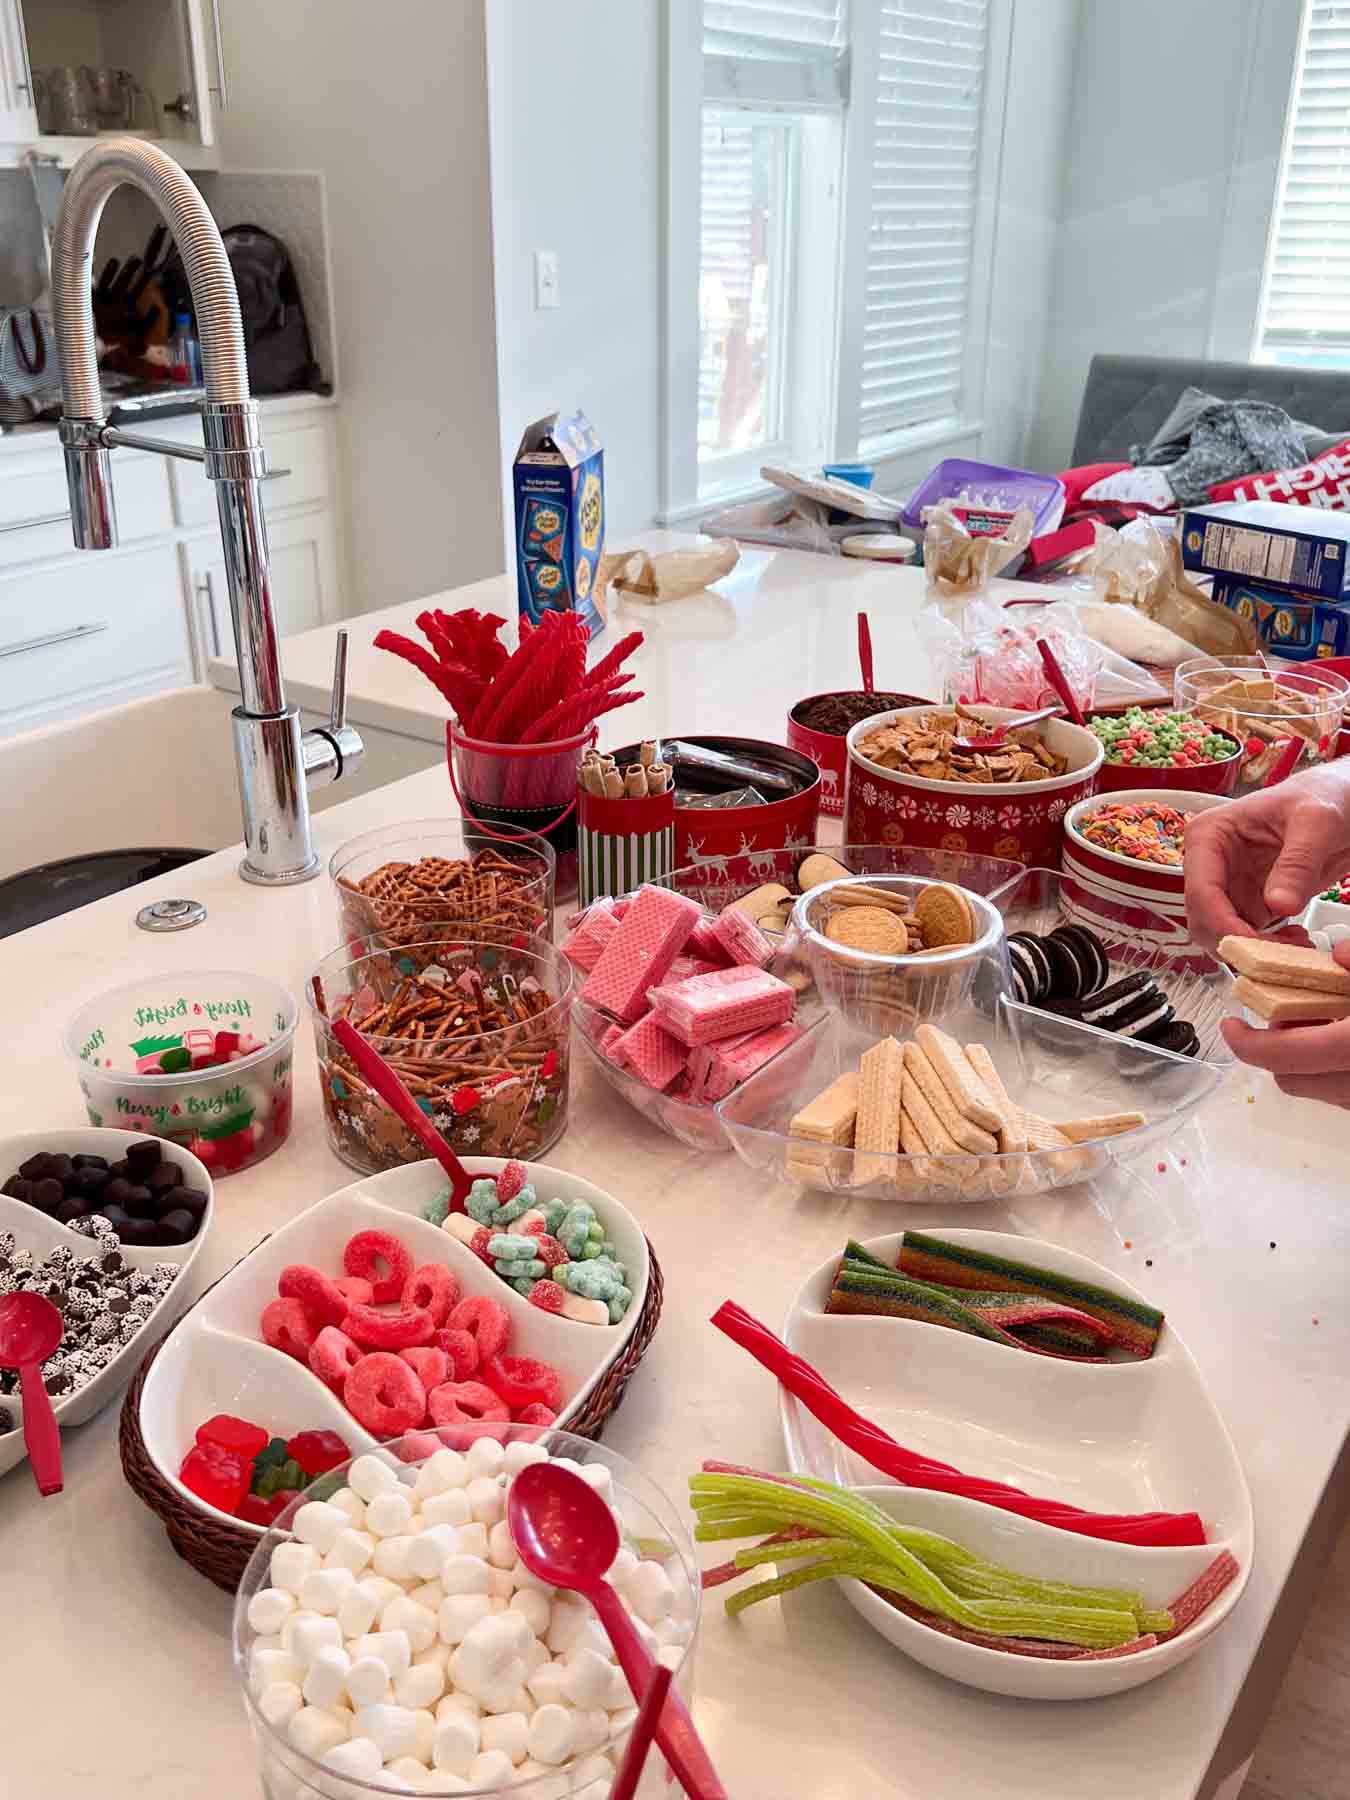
890 951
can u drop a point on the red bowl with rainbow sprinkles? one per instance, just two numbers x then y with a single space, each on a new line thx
200 1058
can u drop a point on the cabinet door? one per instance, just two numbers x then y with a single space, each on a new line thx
18 109
304 582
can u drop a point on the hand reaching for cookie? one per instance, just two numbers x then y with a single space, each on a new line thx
1264 857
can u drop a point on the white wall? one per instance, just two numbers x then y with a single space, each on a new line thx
390 105
577 149
1174 140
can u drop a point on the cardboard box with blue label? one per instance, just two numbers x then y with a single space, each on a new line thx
1298 627
559 484
1295 548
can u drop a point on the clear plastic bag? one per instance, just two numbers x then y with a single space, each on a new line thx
959 566
989 656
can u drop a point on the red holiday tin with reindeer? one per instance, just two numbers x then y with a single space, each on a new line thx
729 841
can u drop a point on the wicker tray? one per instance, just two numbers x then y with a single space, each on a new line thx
220 1552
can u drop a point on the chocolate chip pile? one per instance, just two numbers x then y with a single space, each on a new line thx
836 714
144 1196
103 1302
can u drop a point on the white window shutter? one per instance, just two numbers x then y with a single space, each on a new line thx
921 236
1307 298
774 52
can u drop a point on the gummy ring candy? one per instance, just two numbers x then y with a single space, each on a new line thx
388 1331
510 1182
536 1415
523 1381
547 1296
466 1403
487 1320
433 1287
461 1352
384 1395
324 1303
431 1366
366 1251
285 1326
359 1292
333 1356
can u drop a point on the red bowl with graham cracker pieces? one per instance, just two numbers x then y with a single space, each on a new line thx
1022 820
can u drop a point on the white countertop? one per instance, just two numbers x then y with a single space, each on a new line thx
118 1678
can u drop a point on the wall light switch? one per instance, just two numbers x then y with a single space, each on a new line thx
545 279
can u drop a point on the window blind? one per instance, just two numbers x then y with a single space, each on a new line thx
925 165
774 52
1307 299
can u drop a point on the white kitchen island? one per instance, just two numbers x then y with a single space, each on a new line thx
117 1673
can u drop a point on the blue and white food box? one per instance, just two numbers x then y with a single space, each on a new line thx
1298 548
558 479
1298 627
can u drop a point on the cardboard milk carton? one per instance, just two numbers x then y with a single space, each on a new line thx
559 486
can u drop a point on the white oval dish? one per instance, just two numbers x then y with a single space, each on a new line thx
1120 1437
33 1230
217 1362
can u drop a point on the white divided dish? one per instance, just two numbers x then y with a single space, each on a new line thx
217 1361
34 1231
1137 1436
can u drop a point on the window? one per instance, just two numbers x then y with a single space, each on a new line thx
1305 311
833 230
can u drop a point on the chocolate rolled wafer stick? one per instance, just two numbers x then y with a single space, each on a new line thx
635 782
614 788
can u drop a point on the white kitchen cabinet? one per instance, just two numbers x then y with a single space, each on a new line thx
172 50
35 508
304 581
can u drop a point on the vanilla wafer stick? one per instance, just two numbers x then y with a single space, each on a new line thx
877 1127
1012 1135
965 1088
964 1135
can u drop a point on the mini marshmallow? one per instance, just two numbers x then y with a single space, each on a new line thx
448 1508
524 1579
509 1733
520 1454
359 1757
367 1681
443 1469
649 1592
352 1504
487 1502
326 1679
463 1574
438 1656
352 1549
598 1476
491 1768
391 1557
458 1614
312 1634
325 1590
269 1610
523 1702
421 1685
392 1648
288 1630
518 1626
429 1549
620 1695
313 1731
318 1523
405 1615
371 1475
550 1735
393 1728
533 1608
383 1589
566 1626
622 1569
591 1768
500 1584
501 1546
428 1594
268 1640
361 1606
590 1728
586 1678
387 1515
420 1779
453 1703
672 1632
279 1703
269 1668
473 1540
535 1656
456 1744
484 1456
498 1695
291 1563
671 1655
424 1727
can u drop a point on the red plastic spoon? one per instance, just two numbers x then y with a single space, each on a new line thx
388 1086
567 1535
865 654
30 1329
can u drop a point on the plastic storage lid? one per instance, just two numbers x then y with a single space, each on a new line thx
880 546
50 889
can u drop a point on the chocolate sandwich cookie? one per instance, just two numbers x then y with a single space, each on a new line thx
1030 967
1067 974
1130 1007
1177 1035
1088 949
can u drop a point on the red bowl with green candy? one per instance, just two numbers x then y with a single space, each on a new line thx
1163 749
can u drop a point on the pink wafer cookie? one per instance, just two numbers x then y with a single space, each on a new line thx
652 1054
741 939
685 967
653 932
597 927
705 944
610 1042
715 1069
712 1007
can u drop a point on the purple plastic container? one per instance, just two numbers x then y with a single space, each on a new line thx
1044 494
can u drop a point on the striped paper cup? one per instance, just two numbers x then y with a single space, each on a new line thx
622 843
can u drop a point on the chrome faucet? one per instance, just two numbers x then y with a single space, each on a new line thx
275 760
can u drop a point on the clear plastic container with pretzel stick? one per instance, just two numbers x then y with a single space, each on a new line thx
479 1034
400 885
1263 705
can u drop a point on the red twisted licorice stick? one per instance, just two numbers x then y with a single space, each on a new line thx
575 712
881 1450
447 685
489 720
611 664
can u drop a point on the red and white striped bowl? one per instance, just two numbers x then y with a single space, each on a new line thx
1100 883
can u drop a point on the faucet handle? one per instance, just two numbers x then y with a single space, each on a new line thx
337 707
